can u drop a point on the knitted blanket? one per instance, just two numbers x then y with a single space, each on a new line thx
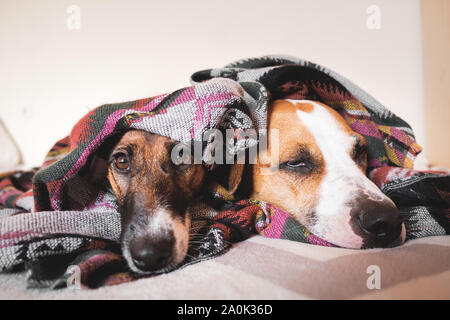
59 223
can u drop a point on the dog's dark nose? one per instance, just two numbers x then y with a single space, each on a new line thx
379 223
151 254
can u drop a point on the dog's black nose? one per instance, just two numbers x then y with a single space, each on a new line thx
380 224
151 254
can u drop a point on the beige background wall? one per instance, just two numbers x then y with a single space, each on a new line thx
50 75
436 62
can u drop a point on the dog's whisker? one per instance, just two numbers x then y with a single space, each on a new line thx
198 238
196 242
196 234
190 256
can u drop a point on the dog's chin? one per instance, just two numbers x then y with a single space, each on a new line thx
337 231
346 238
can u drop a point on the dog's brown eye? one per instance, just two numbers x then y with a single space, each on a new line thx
121 162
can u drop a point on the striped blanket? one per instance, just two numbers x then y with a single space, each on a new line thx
57 218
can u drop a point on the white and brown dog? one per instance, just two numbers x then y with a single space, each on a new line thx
321 178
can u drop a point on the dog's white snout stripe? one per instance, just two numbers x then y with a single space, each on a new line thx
160 222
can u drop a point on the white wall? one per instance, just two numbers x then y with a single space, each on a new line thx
50 76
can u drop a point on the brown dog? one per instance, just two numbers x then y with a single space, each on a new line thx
153 194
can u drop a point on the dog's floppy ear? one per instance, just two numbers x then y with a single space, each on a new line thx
97 168
235 177
229 176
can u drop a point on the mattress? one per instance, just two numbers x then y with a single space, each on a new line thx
263 268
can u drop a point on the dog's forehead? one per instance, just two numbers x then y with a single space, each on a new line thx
323 113
307 121
145 140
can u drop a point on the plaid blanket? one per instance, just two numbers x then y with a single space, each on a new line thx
57 222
